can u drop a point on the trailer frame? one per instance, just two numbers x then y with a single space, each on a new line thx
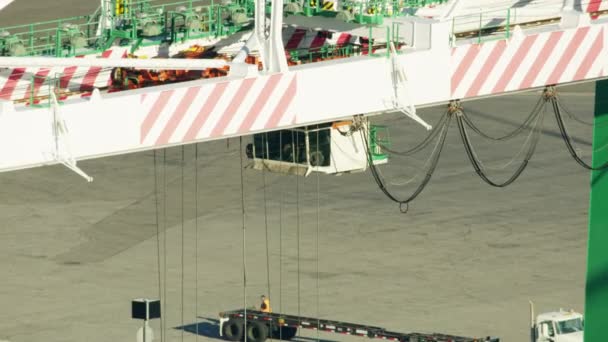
275 322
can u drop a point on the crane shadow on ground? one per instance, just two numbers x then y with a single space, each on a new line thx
310 339
209 327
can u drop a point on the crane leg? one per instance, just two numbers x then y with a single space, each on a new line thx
596 289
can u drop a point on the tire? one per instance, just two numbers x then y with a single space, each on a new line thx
287 333
257 332
316 158
233 330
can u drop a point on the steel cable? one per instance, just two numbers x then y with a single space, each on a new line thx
317 235
196 238
570 114
164 322
281 238
157 203
296 154
420 169
575 117
423 144
475 162
512 160
568 140
403 204
244 240
182 228
266 225
535 111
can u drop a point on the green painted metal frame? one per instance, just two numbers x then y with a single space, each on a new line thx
596 289
47 38
378 136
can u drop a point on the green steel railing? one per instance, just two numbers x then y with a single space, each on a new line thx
494 24
486 25
369 12
141 23
378 137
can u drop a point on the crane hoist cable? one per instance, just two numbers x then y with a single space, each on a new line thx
317 236
281 200
570 114
476 163
423 144
156 207
244 239
574 117
164 322
196 238
537 108
296 154
403 203
532 116
182 236
265 144
568 140
515 157
420 169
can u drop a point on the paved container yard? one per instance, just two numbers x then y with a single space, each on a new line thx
465 259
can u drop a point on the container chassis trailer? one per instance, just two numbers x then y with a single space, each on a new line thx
262 325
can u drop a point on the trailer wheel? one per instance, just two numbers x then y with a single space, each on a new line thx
233 330
287 333
257 332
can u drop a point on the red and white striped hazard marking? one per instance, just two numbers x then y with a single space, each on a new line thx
223 108
529 61
596 6
17 83
305 39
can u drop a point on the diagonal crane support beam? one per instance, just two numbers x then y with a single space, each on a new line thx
596 291
4 3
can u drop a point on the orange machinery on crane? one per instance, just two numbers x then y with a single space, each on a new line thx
131 78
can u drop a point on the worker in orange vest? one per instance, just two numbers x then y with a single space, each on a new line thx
265 307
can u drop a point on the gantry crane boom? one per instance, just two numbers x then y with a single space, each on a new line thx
431 69
428 71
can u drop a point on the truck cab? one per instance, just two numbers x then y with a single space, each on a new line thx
558 326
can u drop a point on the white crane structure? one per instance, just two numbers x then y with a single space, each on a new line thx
4 3
57 109
423 66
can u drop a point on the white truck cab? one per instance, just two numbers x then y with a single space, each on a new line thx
556 326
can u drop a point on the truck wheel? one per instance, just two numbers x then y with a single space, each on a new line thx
233 330
257 332
287 333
